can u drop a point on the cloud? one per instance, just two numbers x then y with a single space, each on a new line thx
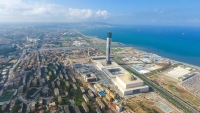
159 11
31 11
153 21
103 14
88 13
80 13
193 21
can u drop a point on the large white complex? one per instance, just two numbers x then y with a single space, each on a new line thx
86 71
126 83
111 70
145 68
181 73
178 72
31 39
77 43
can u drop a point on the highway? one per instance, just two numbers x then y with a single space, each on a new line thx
14 66
80 47
169 96
63 48
164 93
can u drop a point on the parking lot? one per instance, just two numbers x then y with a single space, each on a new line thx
192 85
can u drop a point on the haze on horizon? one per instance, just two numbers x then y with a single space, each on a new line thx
145 12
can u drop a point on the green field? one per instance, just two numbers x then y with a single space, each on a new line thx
65 101
112 44
7 95
50 67
117 50
104 49
79 101
65 44
72 57
66 38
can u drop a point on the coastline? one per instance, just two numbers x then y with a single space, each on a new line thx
165 41
142 49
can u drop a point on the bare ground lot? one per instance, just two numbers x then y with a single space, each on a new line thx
147 103
171 85
13 61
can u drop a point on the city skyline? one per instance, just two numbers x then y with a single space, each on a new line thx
55 67
84 56
178 12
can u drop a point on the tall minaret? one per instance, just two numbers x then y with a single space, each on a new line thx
27 39
109 40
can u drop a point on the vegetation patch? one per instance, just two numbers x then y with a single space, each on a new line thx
7 96
50 67
65 101
30 92
72 57
117 50
16 107
65 44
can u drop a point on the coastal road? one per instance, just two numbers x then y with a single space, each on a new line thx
169 96
164 93
80 47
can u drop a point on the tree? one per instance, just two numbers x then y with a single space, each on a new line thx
16 107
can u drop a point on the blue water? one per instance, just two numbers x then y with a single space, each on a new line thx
177 43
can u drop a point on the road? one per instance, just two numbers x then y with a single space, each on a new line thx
80 47
11 71
169 96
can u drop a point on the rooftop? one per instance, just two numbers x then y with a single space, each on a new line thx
115 71
112 70
129 79
121 87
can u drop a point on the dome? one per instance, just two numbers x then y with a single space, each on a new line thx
129 77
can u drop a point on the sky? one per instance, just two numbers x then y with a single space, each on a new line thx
144 12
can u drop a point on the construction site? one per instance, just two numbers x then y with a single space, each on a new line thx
150 102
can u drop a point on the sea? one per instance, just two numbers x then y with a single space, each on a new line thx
180 43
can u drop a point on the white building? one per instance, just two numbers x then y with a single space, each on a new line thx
128 84
85 98
77 43
56 91
31 39
85 71
90 78
119 108
112 70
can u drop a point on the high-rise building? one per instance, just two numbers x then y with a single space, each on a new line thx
108 47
